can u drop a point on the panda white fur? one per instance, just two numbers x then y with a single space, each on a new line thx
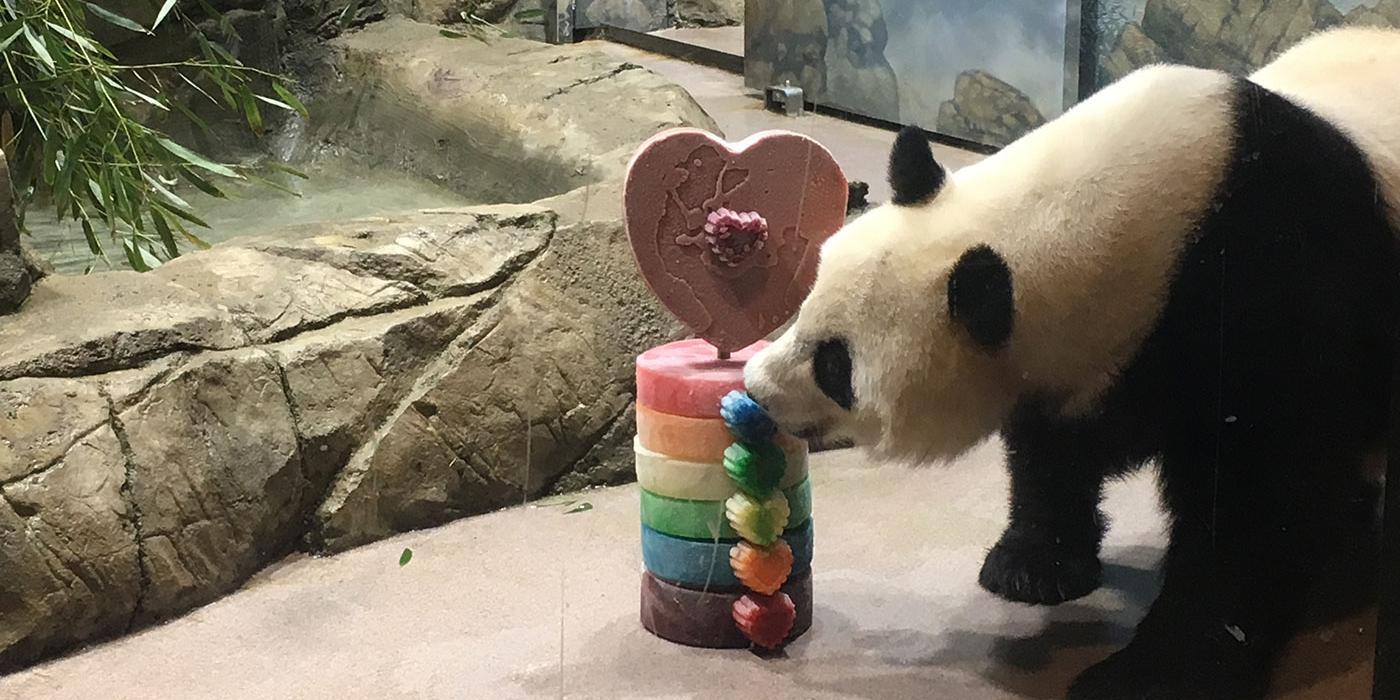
1187 267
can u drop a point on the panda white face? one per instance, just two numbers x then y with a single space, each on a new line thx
899 345
878 354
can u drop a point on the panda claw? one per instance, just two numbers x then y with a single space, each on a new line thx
1037 571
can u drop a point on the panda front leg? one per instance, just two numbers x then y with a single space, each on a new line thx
1243 545
1049 553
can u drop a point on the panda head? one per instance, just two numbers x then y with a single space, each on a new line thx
901 345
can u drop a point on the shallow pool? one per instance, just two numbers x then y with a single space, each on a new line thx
335 190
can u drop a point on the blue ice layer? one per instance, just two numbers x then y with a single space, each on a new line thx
704 564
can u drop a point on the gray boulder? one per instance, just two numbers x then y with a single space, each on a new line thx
987 109
67 527
856 67
1133 50
214 476
538 389
16 270
1385 13
78 326
785 41
505 120
1231 35
709 13
311 392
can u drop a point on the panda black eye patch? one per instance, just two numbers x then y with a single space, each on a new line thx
981 297
831 365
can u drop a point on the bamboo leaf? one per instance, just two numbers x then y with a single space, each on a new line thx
190 115
225 55
164 10
149 257
48 168
201 184
164 191
62 188
9 32
291 99
123 87
163 230
71 136
41 50
195 159
115 19
205 47
347 15
94 245
275 103
251 112
108 201
99 197
194 240
210 10
283 167
145 98
134 258
78 39
275 185
183 214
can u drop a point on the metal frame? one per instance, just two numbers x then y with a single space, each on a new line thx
559 21
1074 54
689 53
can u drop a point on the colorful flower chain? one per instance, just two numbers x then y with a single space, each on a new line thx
759 513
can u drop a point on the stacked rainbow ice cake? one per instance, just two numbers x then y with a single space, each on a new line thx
725 505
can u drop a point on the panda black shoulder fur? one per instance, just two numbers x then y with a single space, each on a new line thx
1187 267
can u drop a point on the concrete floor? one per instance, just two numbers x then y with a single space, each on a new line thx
535 602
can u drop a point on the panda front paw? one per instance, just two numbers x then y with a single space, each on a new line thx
1027 567
1135 673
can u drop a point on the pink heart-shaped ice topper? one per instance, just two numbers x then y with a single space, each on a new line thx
727 236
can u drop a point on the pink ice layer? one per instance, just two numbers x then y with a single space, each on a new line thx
687 378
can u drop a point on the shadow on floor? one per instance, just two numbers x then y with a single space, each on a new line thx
843 658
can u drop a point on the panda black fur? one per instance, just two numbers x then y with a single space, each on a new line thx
1188 268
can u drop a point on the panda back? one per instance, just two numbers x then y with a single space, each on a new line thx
1139 212
1351 78
1099 204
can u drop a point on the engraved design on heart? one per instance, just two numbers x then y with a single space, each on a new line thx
728 236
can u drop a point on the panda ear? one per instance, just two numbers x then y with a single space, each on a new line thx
980 297
915 176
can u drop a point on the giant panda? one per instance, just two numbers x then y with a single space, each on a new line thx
1188 269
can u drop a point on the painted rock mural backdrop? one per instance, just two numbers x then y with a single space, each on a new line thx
990 72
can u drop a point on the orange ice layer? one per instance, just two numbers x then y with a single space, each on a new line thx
692 439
